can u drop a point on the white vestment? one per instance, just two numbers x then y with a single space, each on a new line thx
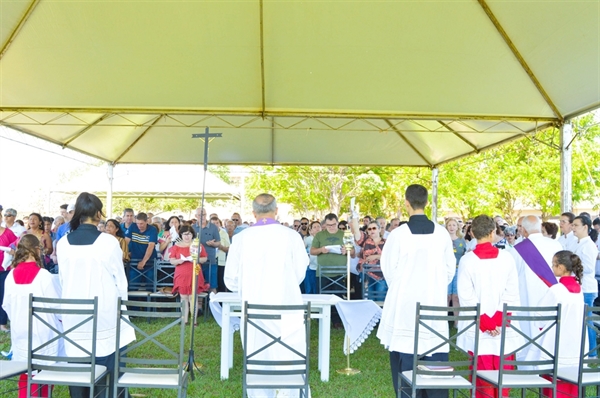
16 305
492 283
265 265
417 268
568 241
588 252
531 287
571 322
87 271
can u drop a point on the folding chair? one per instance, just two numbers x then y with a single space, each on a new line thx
451 374
279 363
588 372
164 272
166 368
373 288
525 373
333 279
57 368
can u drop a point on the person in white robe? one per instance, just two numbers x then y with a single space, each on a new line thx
29 277
567 292
487 276
531 287
418 263
265 265
567 239
91 264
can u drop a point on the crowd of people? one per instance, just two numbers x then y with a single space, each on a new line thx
483 260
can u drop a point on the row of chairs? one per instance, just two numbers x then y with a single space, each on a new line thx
462 374
133 369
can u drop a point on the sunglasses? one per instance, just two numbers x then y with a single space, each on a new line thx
303 223
372 229
342 228
235 219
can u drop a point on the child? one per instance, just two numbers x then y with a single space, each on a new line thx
29 276
487 276
569 269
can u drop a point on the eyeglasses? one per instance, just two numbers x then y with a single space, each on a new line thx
235 219
303 223
331 225
372 229
342 228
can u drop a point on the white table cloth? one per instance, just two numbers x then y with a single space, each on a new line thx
359 318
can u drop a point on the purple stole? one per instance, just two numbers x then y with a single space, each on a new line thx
265 221
534 259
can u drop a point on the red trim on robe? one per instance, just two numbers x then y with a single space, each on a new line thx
25 273
571 284
487 322
486 250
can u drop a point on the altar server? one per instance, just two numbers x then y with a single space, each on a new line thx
29 276
265 265
418 263
567 267
487 276
91 264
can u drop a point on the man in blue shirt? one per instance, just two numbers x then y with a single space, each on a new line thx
142 239
66 227
210 239
127 220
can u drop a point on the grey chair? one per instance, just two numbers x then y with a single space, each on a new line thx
588 371
164 272
459 374
166 368
524 373
290 370
333 279
59 369
373 288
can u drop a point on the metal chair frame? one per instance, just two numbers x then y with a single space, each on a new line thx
588 371
287 372
521 378
64 367
333 277
377 296
143 372
463 373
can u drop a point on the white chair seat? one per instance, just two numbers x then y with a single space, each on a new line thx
58 377
442 381
282 381
514 380
11 368
138 293
571 374
148 380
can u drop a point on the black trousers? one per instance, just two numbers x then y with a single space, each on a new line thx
400 362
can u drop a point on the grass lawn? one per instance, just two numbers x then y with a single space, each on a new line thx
371 359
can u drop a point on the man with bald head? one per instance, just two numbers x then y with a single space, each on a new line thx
265 265
533 257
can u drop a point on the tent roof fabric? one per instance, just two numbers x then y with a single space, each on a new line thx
297 82
133 181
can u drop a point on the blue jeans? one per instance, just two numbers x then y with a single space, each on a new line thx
589 298
210 274
310 282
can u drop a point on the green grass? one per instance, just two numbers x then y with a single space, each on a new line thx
371 359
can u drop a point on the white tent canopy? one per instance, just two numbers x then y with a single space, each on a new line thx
407 83
150 181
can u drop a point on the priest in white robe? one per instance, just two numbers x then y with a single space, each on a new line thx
418 263
265 265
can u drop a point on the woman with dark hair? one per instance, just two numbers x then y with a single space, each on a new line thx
91 265
170 236
549 230
180 257
113 228
36 227
587 252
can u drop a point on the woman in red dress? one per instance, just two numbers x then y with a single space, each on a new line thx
179 255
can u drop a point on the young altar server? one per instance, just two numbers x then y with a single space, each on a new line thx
29 276
567 267
488 276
